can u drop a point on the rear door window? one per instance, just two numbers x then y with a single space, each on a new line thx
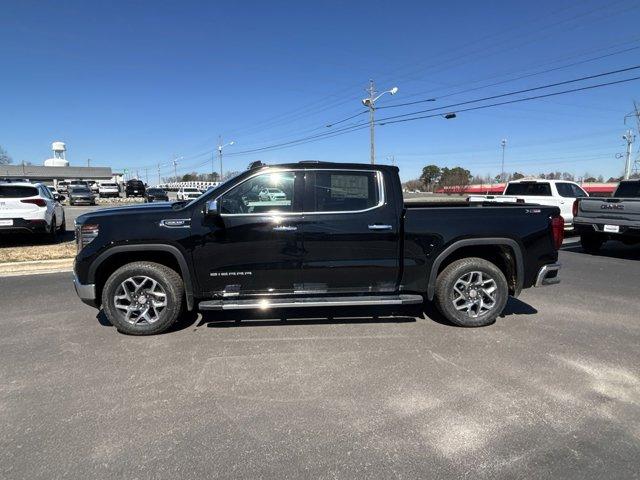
533 189
565 190
628 190
342 191
17 191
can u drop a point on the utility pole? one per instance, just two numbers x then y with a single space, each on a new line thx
159 181
372 92
175 168
88 162
213 169
503 143
146 175
370 103
220 154
628 137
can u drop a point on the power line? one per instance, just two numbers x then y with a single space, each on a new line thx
590 87
493 97
392 119
312 108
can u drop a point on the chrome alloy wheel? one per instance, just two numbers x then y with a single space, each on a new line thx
140 299
474 293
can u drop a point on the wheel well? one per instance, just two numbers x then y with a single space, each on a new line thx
117 260
500 255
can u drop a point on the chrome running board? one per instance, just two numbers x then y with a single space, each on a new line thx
343 301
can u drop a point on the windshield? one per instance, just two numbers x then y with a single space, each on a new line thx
109 185
156 191
80 190
192 190
628 190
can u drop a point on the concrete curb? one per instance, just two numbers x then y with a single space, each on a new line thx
11 269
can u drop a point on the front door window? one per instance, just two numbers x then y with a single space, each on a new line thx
265 193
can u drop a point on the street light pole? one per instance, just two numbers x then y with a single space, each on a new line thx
370 103
504 144
220 147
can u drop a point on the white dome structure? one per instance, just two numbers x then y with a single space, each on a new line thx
59 156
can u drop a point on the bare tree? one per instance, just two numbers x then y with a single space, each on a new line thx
5 159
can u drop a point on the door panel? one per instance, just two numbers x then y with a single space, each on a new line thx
347 249
255 246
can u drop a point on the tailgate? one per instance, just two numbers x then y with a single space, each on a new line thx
618 211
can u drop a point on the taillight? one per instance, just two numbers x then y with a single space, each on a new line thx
85 235
557 228
36 201
574 210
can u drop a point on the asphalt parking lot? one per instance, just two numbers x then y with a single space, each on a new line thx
552 390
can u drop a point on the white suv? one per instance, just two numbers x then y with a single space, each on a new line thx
28 207
557 193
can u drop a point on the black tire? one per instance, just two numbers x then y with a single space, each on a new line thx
445 293
63 225
167 278
591 243
52 231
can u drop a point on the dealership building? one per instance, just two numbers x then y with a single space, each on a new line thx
56 169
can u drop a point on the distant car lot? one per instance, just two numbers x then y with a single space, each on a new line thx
553 388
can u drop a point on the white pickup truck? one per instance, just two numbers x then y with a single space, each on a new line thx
558 193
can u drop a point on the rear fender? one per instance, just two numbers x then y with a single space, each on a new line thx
519 262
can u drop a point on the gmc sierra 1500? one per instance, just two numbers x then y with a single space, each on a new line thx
335 235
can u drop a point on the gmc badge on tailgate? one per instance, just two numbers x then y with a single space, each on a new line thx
612 206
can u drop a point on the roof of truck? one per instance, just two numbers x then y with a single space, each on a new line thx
316 164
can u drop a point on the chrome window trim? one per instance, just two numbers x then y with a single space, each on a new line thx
379 176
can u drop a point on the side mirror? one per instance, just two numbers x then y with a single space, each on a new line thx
58 198
212 207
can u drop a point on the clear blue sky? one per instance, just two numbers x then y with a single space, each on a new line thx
130 84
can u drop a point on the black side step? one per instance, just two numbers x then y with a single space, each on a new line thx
292 302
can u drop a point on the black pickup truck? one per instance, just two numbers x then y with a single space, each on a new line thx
311 234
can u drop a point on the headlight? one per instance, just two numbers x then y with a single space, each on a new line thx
85 235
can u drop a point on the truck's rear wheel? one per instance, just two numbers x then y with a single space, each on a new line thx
471 292
143 298
591 242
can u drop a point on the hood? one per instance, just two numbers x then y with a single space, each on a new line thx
145 210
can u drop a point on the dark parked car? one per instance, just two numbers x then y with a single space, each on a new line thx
155 195
134 188
340 235
81 195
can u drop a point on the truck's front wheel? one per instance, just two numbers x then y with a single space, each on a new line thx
471 292
143 298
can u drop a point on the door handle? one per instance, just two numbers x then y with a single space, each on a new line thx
285 228
377 226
